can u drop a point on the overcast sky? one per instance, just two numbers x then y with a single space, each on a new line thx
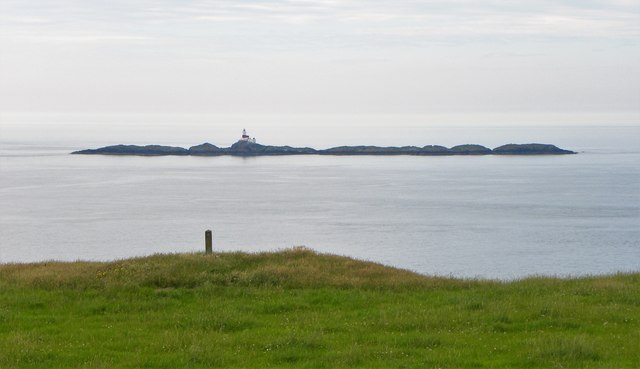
320 56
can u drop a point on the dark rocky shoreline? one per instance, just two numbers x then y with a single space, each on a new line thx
245 148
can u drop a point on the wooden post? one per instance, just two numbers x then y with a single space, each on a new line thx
208 240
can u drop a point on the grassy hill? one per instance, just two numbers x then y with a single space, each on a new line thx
297 308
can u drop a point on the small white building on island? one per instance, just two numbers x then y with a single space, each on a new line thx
245 137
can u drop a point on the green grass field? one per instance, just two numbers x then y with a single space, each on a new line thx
297 308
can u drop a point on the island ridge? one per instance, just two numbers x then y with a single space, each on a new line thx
247 146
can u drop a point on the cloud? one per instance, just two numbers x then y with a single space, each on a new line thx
326 20
324 54
22 19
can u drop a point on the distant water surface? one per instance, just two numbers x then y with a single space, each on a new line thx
490 216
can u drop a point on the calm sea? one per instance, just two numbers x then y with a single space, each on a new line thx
492 217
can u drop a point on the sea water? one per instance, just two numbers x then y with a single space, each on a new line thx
499 217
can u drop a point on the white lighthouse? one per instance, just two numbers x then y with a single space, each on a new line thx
245 137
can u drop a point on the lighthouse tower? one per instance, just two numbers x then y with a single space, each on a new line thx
245 137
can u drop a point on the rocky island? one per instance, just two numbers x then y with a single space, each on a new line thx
247 146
